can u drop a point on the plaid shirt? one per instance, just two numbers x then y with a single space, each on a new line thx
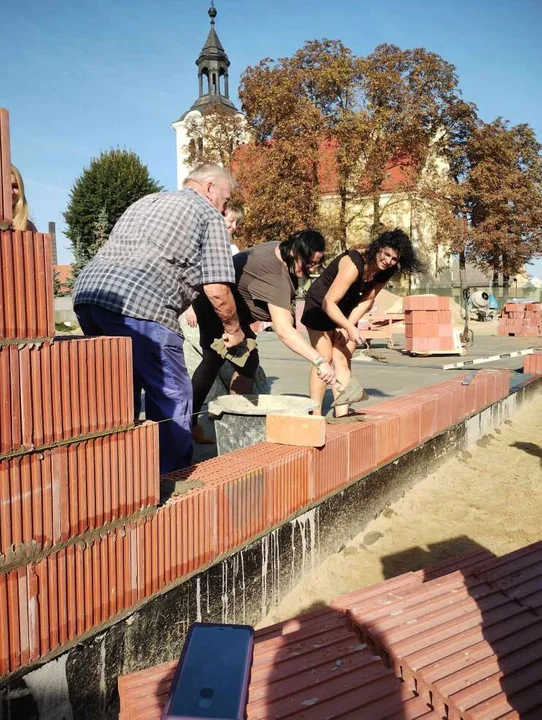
159 254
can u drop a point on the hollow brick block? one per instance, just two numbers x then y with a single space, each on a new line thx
299 430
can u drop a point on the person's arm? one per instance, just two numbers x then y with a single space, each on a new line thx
367 302
221 298
218 274
346 277
287 334
190 317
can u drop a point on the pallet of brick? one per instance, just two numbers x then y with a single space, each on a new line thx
55 391
521 319
428 325
6 210
26 286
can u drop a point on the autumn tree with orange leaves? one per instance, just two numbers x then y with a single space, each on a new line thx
490 211
215 136
391 106
504 197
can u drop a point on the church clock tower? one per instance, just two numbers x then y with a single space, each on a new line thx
213 100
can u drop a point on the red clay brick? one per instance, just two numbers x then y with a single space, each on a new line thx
7 287
387 429
68 490
330 470
6 207
79 586
361 449
299 430
62 597
52 591
33 613
533 364
293 676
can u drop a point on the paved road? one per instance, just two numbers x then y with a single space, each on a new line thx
288 373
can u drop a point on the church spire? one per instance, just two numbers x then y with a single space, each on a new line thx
213 64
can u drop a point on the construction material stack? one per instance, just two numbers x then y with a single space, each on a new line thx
73 464
533 364
521 319
428 325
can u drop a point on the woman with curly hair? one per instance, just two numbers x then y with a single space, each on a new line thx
343 294
20 206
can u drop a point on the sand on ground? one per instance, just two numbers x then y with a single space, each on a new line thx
489 497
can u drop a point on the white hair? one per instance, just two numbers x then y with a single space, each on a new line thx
209 171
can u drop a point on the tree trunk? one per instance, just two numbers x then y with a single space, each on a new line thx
464 295
462 272
342 217
505 271
376 214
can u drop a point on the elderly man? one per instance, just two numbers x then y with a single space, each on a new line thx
163 250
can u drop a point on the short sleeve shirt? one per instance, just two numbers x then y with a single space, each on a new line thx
263 280
159 254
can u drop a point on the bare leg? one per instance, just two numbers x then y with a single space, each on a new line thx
342 356
321 342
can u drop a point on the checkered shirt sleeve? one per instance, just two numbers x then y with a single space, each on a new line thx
159 254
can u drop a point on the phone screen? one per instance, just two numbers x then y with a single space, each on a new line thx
213 677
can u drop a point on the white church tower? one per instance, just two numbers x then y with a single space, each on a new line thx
213 64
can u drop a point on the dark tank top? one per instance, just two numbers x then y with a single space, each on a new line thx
314 316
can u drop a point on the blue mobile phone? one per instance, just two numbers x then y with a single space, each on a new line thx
212 677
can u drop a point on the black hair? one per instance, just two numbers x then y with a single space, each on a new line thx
396 240
301 246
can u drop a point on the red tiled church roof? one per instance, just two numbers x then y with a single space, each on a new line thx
400 173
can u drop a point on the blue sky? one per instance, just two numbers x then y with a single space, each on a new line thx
86 76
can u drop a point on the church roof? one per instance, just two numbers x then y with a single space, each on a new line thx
213 64
213 44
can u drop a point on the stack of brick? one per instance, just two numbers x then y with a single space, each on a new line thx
72 462
523 319
69 591
428 324
533 364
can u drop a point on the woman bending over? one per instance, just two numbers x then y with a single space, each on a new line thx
265 288
341 296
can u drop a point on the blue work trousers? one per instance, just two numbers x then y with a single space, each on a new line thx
159 370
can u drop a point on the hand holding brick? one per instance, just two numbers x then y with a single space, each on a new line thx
299 430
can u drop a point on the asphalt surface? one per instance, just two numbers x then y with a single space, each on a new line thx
288 374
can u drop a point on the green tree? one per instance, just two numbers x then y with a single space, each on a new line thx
99 196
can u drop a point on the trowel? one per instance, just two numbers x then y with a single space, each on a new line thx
350 393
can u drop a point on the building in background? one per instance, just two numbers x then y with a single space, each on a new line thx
201 130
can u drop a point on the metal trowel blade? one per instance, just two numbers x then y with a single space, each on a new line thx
352 393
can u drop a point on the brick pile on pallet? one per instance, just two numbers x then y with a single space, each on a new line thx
523 319
72 462
428 324
533 364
